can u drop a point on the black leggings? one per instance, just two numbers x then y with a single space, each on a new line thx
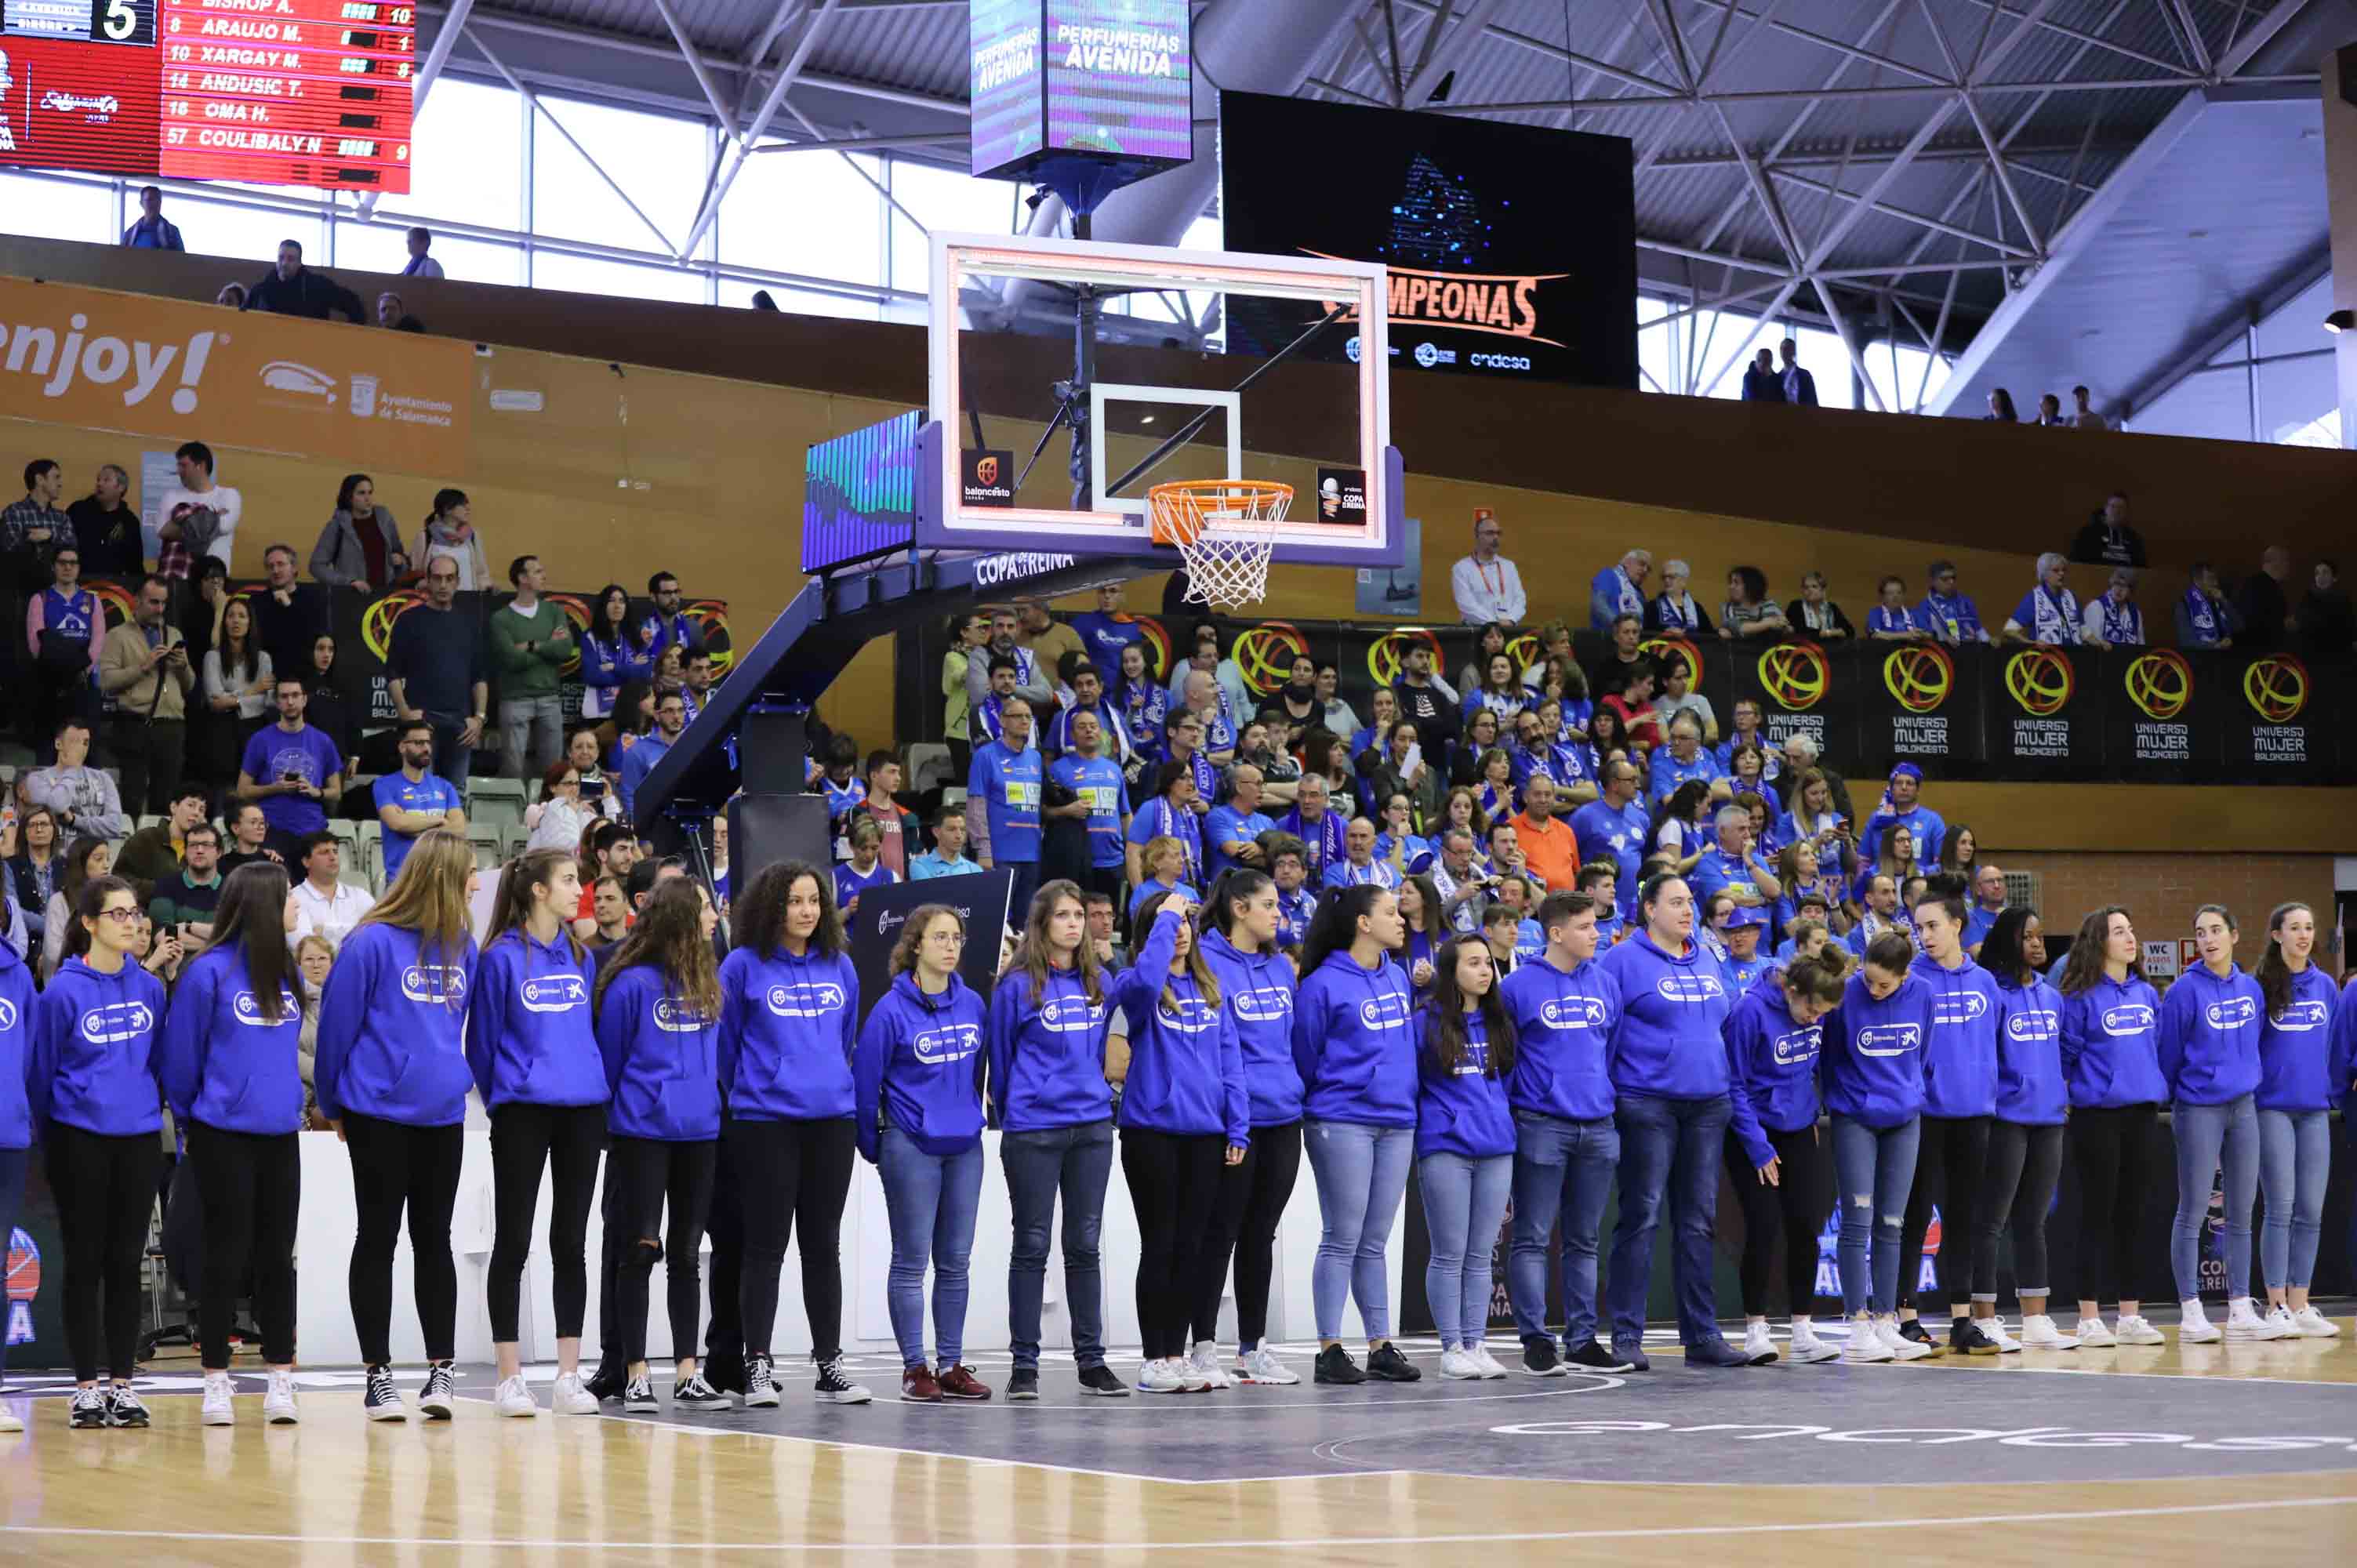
2024 1163
105 1192
567 1140
793 1176
1799 1201
1174 1182
397 1167
1250 1202
1951 1170
250 1187
647 1174
2116 1157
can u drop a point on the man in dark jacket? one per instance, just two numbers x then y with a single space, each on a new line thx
2108 540
293 289
2261 602
1760 383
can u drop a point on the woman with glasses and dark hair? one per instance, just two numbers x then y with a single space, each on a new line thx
2111 1061
614 652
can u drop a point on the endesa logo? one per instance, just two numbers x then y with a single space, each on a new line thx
2301 1017
2128 1018
1070 1015
675 1016
1887 1039
1689 987
247 1007
813 999
117 1023
1958 1008
1800 1045
1384 1012
1574 1013
434 982
1264 1004
948 1043
2032 1025
554 994
2232 1014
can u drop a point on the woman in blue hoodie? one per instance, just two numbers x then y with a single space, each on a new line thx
392 1079
917 1108
1048 1092
233 1075
16 999
2025 1156
533 1054
1355 1049
1872 1076
1256 985
93 1087
657 1009
1464 1147
1184 1113
2111 1057
2298 1084
789 1012
2210 1024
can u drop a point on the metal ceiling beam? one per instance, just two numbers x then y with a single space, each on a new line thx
721 114
2258 36
1443 51
1980 122
1936 225
787 76
454 24
2091 39
2224 330
1560 51
1811 94
679 252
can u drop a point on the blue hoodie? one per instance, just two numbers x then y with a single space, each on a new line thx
1354 1045
787 1025
2111 1044
1563 1039
662 1060
1772 1062
529 1036
93 1062
1185 1066
1873 1053
2296 1048
914 1065
1256 991
16 1018
1464 1111
2031 1090
2342 1065
1667 1041
1960 1064
1048 1052
2209 1036
391 1037
229 1062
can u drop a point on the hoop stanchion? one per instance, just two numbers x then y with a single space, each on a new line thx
1225 530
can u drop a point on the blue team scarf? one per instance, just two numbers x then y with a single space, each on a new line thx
2202 612
2122 624
2057 617
1168 825
1882 617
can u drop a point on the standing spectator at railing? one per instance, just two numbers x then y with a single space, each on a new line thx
1674 612
2082 414
1800 387
614 652
450 536
392 314
2111 618
1760 382
2107 540
669 623
2050 413
1748 611
2204 618
421 265
1048 639
1619 590
1891 620
34 529
360 546
1486 584
2326 625
106 528
1620 662
1031 681
2000 407
531 642
293 289
152 230
288 616
1949 616
63 628
200 516
143 665
2261 604
1813 614
439 672
1106 630
2049 613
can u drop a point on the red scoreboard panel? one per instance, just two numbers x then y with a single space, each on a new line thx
311 92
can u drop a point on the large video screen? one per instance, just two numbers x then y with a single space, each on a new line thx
1104 78
1512 249
310 93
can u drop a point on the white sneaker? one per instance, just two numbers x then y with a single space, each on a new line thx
2281 1317
1866 1346
1261 1365
219 1410
1191 1379
1759 1344
1491 1368
2244 1322
1901 1347
278 1404
2313 1325
10 1420
1458 1367
2039 1333
1807 1350
571 1396
2092 1336
2007 1345
1205 1362
1160 1376
2192 1326
2137 1329
514 1398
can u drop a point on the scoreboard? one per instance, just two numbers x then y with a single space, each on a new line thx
310 93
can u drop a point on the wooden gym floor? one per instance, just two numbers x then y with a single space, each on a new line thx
2167 1454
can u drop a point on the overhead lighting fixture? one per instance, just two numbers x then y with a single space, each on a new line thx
2340 321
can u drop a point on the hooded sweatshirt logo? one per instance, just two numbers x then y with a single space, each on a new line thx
1951 1008
7 1015
435 982
2302 1015
1888 1039
1798 1047
1388 1010
1190 1015
947 1043
677 1017
115 1023
554 994
1071 1015
2032 1025
805 999
2129 1018
1573 1013
248 1008
1262 1005
1693 988
2232 1012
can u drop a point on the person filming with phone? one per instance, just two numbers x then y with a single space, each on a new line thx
293 771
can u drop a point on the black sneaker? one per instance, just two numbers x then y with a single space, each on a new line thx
1539 1359
1335 1365
89 1409
760 1390
1592 1357
1100 1380
697 1394
1631 1356
380 1400
1967 1338
436 1399
1912 1328
834 1387
639 1396
606 1383
1023 1383
1386 1363
123 1407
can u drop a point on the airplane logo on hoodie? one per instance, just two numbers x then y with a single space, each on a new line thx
2232 1014
949 1043
2129 1018
435 982
1888 1039
117 1023
805 999
554 994
248 1008
2032 1025
2301 1017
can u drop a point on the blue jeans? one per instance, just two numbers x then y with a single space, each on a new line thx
1464 1205
451 760
1076 1161
1873 1171
1669 1149
2294 1159
1361 1173
13 1163
1560 1167
2209 1137
931 1199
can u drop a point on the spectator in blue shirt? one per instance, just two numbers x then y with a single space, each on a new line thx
1230 831
1105 630
1002 801
669 623
1949 616
295 771
2205 619
866 867
411 800
948 856
1613 829
1891 620
1100 795
1685 759
153 231
671 719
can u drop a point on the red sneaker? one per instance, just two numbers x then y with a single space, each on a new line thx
917 1385
960 1383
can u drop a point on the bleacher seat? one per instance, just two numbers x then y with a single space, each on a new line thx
929 767
495 803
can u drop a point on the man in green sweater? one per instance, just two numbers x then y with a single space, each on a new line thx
531 642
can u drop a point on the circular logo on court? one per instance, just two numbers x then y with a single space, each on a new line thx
2040 680
2160 684
1389 652
376 621
1665 651
2276 687
1264 654
1919 676
1795 674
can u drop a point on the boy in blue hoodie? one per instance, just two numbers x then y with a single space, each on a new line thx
1871 1077
16 998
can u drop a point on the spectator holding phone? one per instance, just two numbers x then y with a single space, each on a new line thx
293 771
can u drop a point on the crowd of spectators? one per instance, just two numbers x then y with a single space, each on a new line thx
290 288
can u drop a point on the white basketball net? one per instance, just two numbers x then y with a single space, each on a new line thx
1225 530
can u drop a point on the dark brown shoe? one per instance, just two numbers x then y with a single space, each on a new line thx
918 1386
960 1383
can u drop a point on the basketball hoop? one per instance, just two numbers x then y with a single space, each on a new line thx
1225 531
